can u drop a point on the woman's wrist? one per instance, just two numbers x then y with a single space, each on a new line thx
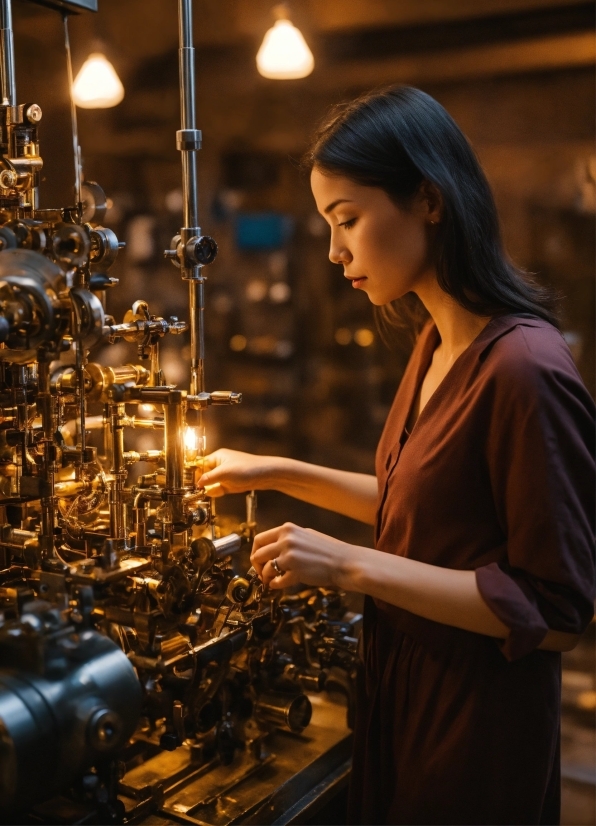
348 576
282 474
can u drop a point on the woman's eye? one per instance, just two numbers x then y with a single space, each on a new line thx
348 224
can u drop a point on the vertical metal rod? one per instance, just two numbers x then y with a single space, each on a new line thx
73 116
191 199
174 450
45 402
196 300
174 444
8 81
188 112
80 368
118 473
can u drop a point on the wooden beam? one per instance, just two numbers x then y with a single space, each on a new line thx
532 55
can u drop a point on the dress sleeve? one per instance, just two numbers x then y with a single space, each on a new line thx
540 454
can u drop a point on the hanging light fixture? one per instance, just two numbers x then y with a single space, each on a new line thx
97 86
284 54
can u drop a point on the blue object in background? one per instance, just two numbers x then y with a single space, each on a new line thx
262 231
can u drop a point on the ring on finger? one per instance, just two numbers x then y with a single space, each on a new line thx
276 568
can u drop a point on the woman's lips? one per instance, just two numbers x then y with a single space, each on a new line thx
358 282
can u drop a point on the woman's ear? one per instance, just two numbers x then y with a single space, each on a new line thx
431 202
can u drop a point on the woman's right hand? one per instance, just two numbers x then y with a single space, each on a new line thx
231 471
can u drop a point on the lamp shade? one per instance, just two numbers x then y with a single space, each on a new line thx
97 86
284 54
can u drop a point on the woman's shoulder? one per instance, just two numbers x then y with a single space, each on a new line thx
525 345
526 357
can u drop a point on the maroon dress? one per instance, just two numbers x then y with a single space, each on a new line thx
497 476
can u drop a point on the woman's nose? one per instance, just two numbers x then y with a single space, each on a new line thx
338 253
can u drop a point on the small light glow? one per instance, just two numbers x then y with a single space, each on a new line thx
343 336
284 54
191 439
280 292
146 409
364 337
238 343
97 86
256 290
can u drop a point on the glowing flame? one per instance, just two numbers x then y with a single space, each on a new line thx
191 439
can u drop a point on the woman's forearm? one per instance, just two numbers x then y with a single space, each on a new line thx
440 594
231 471
351 494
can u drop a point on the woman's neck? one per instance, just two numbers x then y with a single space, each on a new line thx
457 326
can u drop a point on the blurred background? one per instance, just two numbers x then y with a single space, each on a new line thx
283 326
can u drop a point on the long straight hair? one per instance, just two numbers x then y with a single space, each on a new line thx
395 139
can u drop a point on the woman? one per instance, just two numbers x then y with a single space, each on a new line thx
483 568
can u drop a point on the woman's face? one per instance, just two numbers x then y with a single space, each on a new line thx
384 250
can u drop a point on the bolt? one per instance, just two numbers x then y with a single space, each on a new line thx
8 178
33 113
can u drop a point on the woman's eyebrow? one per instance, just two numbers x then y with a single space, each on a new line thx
328 209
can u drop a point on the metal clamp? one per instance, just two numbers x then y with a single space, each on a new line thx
189 140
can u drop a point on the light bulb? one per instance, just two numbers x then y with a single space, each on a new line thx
97 86
284 54
191 439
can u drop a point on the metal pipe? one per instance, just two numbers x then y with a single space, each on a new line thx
227 545
118 472
80 370
45 402
73 117
140 514
174 451
196 296
142 424
8 81
190 195
174 443
188 112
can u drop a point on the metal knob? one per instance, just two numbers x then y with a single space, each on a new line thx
33 113
201 250
8 178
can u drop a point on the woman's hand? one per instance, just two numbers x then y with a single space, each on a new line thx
230 471
303 555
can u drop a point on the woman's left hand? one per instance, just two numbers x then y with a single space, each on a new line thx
303 555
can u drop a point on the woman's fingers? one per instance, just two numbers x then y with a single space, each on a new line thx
264 555
271 535
288 555
270 545
278 581
233 471
214 490
210 464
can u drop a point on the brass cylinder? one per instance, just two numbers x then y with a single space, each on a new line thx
290 711
174 442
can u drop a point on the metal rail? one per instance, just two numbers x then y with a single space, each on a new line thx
7 79
189 142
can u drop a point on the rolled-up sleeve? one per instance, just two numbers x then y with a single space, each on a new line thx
540 454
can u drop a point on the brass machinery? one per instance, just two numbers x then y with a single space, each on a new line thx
128 628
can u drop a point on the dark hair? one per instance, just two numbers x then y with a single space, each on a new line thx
395 139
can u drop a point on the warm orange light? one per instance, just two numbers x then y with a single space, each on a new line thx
97 86
284 54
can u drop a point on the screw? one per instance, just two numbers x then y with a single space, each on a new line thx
33 113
